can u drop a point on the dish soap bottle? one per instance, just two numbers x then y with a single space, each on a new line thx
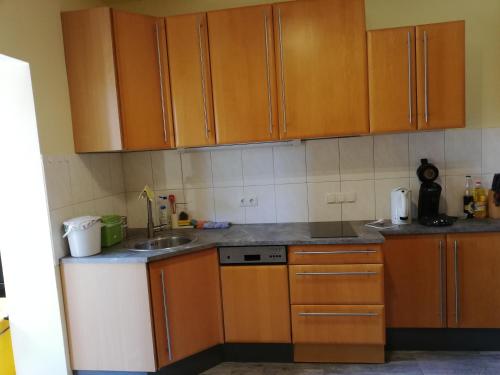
468 199
480 201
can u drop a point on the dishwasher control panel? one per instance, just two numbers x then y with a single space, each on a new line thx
252 255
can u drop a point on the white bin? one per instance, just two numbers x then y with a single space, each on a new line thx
84 235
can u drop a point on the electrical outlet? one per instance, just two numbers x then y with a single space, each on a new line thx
252 201
333 198
243 202
350 197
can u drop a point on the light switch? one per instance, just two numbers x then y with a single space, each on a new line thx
350 197
333 198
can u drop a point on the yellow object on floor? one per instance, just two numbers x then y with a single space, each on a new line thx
6 356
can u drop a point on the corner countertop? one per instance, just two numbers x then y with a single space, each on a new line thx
273 234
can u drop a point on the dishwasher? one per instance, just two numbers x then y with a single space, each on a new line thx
255 296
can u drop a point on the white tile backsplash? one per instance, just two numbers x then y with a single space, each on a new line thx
265 211
426 145
323 160
391 156
227 168
227 205
364 206
289 164
58 182
291 203
463 152
167 170
491 151
258 166
356 158
81 177
319 209
138 170
200 203
196 169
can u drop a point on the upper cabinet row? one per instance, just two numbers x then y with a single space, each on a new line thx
291 70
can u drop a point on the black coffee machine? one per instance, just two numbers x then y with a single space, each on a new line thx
429 196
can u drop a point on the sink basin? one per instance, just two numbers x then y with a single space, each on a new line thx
161 243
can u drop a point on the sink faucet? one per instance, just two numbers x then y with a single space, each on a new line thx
151 228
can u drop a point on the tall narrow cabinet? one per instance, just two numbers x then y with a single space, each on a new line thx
244 79
320 46
118 80
190 80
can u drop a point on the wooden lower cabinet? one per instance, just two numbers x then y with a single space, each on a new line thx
473 280
337 284
256 304
186 304
335 254
415 281
338 324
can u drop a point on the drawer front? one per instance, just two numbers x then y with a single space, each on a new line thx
338 324
346 284
335 254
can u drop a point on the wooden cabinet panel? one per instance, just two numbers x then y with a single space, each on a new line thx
143 85
337 284
189 287
244 82
322 68
441 72
473 280
108 316
256 304
190 80
335 254
391 76
339 324
90 63
415 281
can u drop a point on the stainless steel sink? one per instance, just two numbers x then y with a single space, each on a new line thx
161 243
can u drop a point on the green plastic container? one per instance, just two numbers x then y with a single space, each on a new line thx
111 231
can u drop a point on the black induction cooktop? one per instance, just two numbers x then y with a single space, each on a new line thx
332 229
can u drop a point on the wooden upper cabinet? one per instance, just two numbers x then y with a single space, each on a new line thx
391 77
118 80
322 68
441 72
415 281
243 74
90 65
186 303
473 280
190 80
142 70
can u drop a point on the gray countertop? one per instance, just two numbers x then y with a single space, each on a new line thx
274 234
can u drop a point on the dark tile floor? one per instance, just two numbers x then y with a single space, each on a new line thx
407 363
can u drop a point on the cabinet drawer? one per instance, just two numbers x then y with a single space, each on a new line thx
338 324
335 254
346 284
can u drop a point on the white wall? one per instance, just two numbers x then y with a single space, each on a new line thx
38 331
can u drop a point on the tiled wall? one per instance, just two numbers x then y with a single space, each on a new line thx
291 181
82 185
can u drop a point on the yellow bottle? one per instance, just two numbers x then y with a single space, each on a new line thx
480 201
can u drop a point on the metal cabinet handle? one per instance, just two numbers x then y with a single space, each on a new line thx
335 252
441 282
336 314
268 75
203 78
426 77
160 69
366 273
410 94
457 281
283 96
165 316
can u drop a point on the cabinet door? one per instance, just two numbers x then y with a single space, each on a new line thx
185 294
243 74
141 64
441 75
190 80
391 77
256 304
473 280
322 68
415 281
